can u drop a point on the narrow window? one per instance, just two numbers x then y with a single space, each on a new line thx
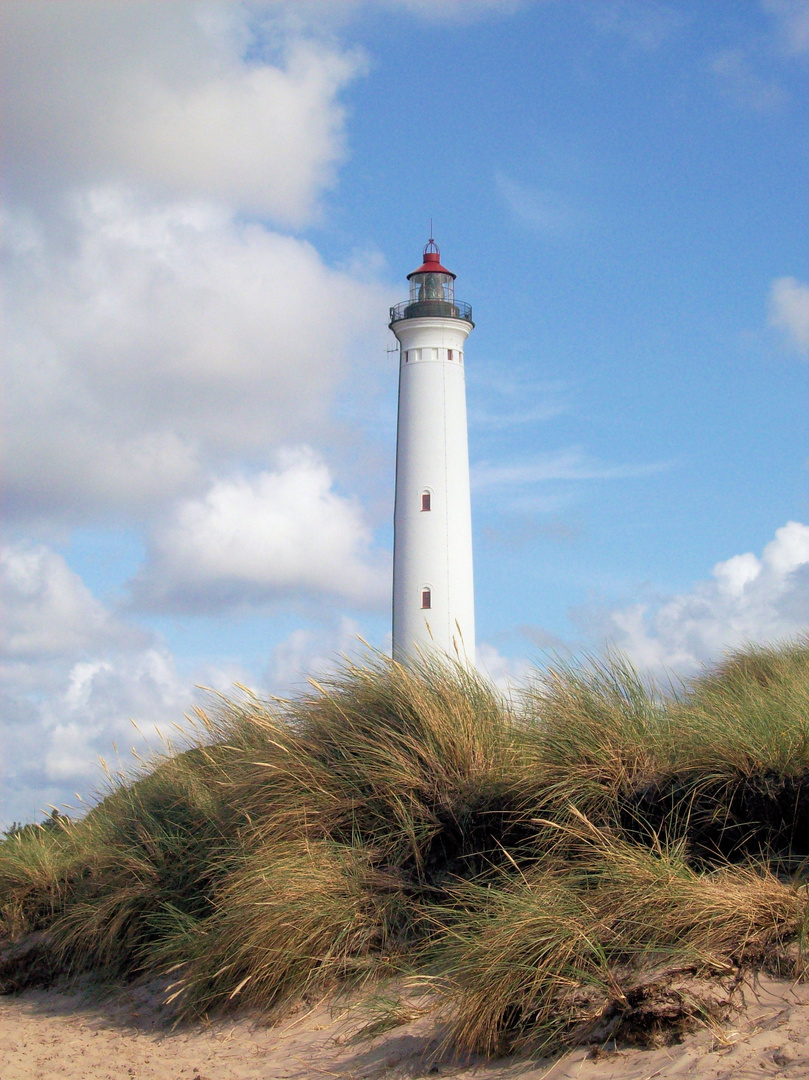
425 500
449 354
405 356
426 598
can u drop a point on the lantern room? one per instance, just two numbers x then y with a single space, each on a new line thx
432 281
432 291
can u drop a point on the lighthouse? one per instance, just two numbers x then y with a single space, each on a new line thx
433 587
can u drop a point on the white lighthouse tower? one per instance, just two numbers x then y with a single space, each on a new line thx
433 588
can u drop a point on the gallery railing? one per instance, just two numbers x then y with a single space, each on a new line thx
436 309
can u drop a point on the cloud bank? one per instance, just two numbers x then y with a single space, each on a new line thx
748 599
73 675
162 339
187 105
250 541
789 311
171 345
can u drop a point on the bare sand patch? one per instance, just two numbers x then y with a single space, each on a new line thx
80 1034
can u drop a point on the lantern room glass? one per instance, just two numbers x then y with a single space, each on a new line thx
432 286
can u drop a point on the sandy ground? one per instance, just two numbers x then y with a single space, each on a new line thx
70 1035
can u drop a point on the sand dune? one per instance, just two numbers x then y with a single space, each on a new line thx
77 1034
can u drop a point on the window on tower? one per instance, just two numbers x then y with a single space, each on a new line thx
425 501
426 598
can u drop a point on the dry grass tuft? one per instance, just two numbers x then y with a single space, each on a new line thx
538 959
292 920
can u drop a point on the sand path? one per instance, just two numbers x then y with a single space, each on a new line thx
51 1034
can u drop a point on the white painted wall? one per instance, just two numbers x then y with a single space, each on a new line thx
432 549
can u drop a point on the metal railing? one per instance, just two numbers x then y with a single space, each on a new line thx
426 309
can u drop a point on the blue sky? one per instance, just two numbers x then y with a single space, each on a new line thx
208 209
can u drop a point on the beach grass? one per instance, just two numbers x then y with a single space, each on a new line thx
530 862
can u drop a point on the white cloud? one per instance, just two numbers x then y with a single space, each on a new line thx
313 652
106 92
571 464
456 10
514 399
740 82
252 541
101 698
646 26
74 678
506 672
49 611
62 714
789 311
749 599
73 675
144 342
544 211
792 22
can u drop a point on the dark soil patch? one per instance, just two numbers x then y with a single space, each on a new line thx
28 962
765 815
470 840
662 1008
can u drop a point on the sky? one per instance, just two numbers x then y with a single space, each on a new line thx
208 209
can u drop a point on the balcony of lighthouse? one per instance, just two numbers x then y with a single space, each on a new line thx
431 309
432 295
